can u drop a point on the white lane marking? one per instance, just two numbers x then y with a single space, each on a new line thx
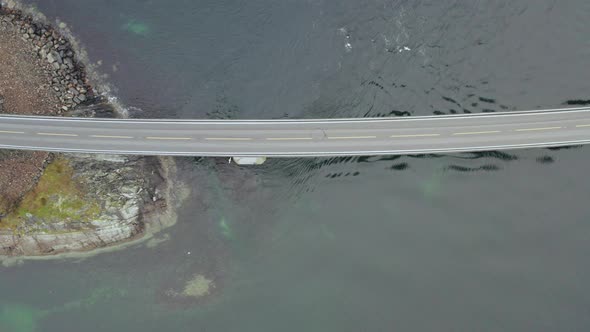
289 138
110 136
538 129
582 126
56 134
310 121
11 132
416 135
478 132
302 154
168 138
228 138
351 137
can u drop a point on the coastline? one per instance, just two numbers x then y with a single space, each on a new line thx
160 219
113 201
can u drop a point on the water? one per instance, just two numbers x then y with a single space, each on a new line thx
460 242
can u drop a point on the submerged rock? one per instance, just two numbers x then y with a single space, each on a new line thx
197 289
198 286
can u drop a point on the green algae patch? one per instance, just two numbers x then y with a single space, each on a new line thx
57 197
19 318
225 229
137 28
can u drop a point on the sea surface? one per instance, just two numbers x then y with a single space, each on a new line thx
494 241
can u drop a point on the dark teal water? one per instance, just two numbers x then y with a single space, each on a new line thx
461 242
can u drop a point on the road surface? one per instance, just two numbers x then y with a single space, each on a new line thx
295 138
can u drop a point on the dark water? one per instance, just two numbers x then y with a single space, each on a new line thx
493 241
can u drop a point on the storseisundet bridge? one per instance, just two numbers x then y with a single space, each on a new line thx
299 138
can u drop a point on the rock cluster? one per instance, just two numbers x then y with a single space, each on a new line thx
65 75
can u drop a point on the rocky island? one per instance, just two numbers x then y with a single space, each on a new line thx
59 203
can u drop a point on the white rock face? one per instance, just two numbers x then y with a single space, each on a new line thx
124 189
71 241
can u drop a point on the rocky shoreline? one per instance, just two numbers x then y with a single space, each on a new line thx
66 203
65 74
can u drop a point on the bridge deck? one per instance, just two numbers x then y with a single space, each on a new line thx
289 138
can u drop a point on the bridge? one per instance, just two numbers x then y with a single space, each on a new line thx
299 138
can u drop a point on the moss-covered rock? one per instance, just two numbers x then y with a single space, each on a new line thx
83 202
58 197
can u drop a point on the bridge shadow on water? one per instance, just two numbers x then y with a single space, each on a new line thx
466 100
304 173
302 170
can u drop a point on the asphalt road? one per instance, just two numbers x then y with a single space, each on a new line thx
291 138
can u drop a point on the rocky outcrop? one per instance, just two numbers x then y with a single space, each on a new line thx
132 194
116 185
68 203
